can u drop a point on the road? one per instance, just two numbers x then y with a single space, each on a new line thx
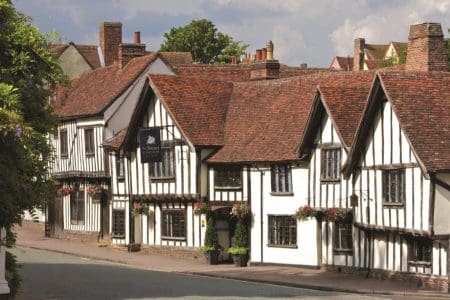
51 275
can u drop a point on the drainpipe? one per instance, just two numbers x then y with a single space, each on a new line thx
130 215
261 212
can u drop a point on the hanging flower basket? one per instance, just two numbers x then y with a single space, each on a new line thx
64 191
303 213
94 189
240 210
140 208
335 214
201 207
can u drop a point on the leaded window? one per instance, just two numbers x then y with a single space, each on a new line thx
281 179
394 186
63 147
343 238
173 224
120 167
420 250
282 231
118 223
331 164
77 207
228 177
89 145
165 168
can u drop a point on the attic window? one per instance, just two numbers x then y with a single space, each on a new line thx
165 168
281 179
394 187
331 164
89 141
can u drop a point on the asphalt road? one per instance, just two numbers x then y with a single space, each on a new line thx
51 275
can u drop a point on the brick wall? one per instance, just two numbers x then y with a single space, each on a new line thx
110 39
421 280
265 69
129 51
427 49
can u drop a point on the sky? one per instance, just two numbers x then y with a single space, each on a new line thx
303 31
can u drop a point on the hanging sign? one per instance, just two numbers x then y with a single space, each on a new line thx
150 144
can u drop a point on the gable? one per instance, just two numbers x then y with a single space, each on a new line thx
73 63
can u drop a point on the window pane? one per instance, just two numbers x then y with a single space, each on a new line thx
174 224
282 230
281 178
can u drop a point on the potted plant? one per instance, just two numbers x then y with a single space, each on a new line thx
240 210
211 249
239 244
140 208
64 191
336 214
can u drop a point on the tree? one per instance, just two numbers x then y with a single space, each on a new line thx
204 41
28 76
211 239
448 51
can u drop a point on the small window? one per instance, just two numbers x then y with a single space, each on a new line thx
343 238
419 250
282 231
331 164
63 147
173 224
228 178
89 141
165 168
281 179
77 207
118 223
394 186
120 167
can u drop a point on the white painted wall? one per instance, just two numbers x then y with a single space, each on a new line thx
4 288
306 251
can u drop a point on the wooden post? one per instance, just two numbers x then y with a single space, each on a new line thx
448 265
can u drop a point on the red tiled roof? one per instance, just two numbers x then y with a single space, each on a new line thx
89 52
92 92
421 101
375 52
266 119
345 105
229 73
116 141
345 62
176 58
199 106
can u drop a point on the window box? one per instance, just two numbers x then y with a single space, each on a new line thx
282 194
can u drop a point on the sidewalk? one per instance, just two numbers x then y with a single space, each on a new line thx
280 275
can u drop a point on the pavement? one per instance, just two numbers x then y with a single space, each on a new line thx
316 279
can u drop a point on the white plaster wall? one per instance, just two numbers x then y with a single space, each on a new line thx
306 251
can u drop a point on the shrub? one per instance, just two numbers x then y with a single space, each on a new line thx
12 273
211 239
239 243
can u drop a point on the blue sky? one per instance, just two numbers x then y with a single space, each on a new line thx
310 31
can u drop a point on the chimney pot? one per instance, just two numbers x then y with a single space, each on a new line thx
269 48
258 54
263 54
137 37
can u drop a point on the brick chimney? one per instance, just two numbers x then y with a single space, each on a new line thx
267 68
110 39
358 54
129 51
427 49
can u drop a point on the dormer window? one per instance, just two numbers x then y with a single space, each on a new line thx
89 146
331 164
63 147
228 177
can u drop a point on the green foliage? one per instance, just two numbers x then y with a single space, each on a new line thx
211 239
206 44
240 238
237 251
12 273
53 37
28 76
394 60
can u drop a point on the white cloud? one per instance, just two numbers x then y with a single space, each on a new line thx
390 23
167 7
